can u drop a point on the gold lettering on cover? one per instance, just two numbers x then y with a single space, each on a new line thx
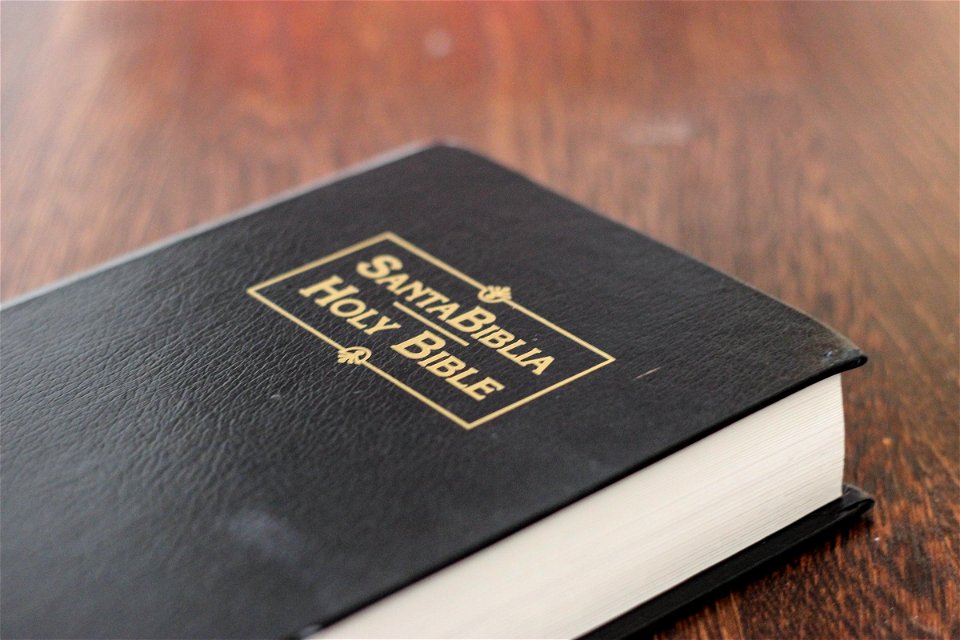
413 314
329 286
443 311
471 321
345 307
383 324
444 365
446 320
419 345
357 320
393 282
526 359
431 297
483 388
447 367
477 322
379 266
412 291
497 339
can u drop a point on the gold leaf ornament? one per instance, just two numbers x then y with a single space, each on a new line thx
353 355
493 294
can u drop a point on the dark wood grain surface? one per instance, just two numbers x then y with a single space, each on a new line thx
808 149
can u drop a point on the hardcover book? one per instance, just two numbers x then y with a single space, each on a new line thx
427 398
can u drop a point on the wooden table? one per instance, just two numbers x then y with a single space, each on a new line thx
810 150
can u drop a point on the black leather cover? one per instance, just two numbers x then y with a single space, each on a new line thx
192 445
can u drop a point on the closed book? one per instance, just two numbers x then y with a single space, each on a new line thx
427 398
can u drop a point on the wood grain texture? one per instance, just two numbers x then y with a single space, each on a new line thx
808 149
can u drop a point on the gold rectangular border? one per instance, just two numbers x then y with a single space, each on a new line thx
254 291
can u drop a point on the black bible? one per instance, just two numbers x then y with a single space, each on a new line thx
426 398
